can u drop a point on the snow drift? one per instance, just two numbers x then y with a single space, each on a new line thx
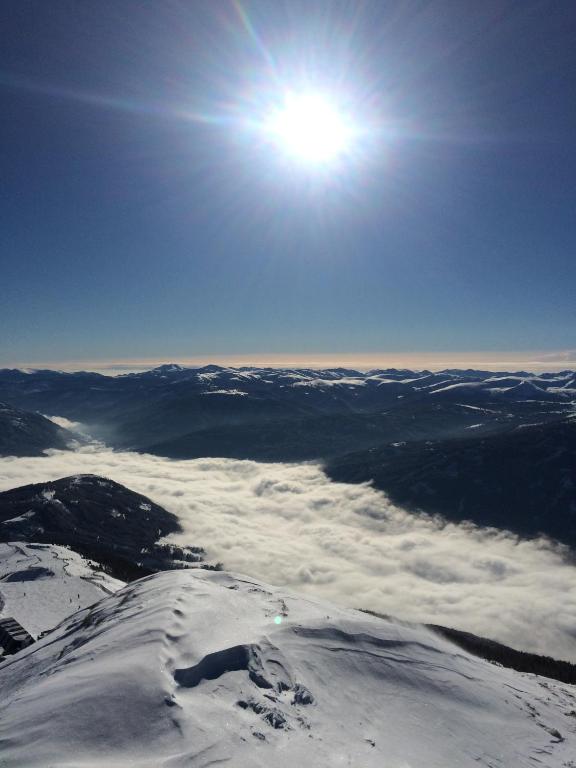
196 668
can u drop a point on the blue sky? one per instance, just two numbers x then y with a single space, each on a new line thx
142 217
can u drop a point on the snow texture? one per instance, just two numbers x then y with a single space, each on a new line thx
42 584
204 669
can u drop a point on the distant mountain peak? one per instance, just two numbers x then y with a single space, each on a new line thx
168 368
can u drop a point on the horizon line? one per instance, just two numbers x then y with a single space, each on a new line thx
537 361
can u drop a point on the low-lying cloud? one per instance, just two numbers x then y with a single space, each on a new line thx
290 525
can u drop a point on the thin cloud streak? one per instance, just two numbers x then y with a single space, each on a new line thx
290 525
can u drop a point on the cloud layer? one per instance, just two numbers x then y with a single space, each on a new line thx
290 525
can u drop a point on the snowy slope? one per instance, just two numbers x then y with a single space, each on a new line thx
196 668
42 584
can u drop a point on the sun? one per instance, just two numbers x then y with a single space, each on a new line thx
310 128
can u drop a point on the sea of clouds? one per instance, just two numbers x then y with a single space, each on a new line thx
290 525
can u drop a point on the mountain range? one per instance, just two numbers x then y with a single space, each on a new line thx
498 449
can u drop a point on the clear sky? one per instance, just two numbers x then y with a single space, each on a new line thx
145 216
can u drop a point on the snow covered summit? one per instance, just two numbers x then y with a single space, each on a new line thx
198 668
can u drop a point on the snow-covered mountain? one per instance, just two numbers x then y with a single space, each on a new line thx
152 408
285 414
97 517
196 668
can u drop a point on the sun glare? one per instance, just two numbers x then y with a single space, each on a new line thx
310 128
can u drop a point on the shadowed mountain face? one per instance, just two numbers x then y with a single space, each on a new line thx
523 479
97 517
29 434
329 436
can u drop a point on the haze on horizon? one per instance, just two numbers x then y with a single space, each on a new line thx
162 196
504 361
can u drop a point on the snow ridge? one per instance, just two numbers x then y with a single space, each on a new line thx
198 668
